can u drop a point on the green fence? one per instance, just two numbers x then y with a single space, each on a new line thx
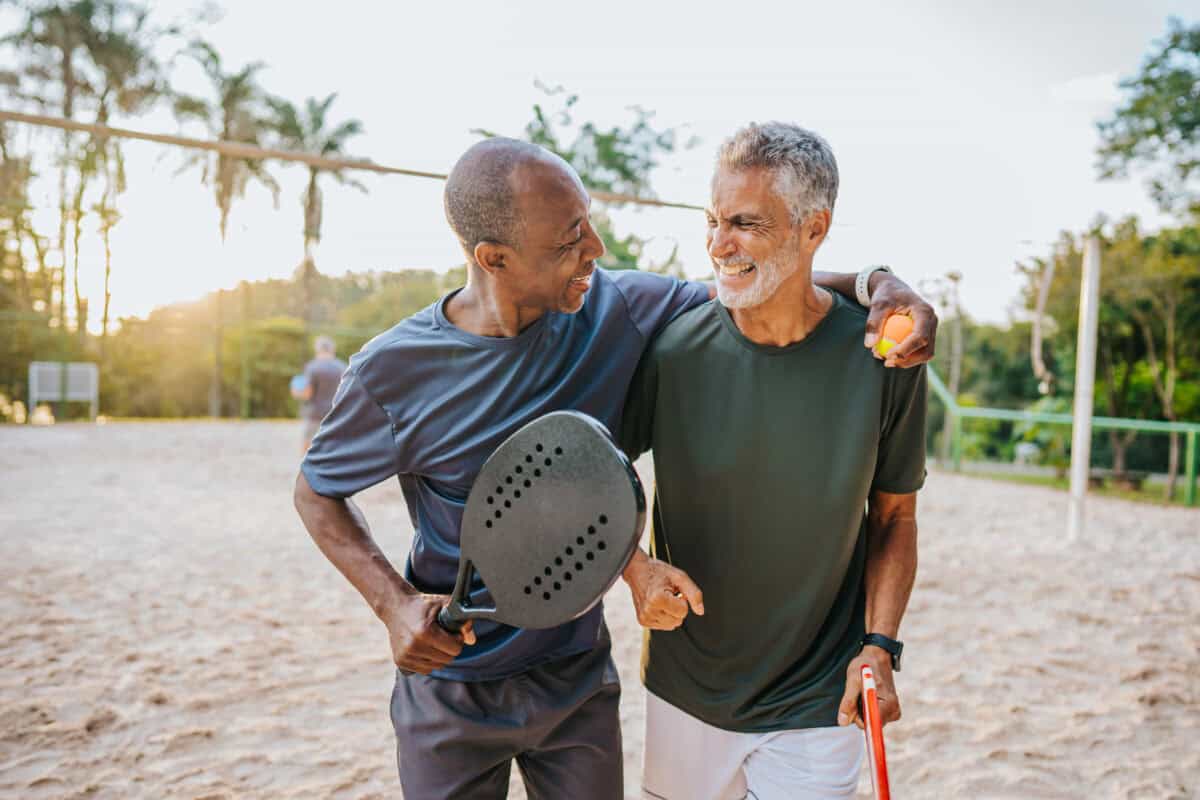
958 413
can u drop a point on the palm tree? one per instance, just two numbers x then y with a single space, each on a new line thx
236 116
310 131
54 36
131 83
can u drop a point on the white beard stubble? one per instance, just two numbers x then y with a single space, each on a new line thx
769 275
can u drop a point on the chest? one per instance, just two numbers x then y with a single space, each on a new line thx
473 400
748 426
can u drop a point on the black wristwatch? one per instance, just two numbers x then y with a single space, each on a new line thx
893 647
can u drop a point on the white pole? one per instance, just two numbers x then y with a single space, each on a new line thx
1085 383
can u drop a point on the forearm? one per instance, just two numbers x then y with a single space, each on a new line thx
890 571
341 533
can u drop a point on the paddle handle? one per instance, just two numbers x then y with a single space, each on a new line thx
451 623
876 758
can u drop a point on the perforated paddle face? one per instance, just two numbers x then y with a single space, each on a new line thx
551 521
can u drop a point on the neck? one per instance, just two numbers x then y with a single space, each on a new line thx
482 309
787 316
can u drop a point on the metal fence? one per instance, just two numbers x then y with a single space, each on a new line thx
959 413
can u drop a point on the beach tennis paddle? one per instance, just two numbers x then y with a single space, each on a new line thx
551 521
876 758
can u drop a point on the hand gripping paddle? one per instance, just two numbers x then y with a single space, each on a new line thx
876 759
551 521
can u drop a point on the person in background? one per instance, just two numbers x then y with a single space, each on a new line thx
316 386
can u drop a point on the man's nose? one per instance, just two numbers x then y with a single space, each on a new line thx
595 245
720 243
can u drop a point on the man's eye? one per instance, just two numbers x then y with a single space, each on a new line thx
712 223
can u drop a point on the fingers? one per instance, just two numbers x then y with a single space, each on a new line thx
876 316
419 642
441 641
848 708
663 609
889 708
917 347
685 586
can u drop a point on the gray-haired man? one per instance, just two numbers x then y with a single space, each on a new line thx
787 462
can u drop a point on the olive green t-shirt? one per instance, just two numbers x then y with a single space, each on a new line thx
764 458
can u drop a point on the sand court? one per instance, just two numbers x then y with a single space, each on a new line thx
171 631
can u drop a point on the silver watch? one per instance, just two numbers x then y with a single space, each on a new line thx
863 281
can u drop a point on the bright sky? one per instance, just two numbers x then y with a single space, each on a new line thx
964 131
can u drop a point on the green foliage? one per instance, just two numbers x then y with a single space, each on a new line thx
619 159
1158 126
1054 441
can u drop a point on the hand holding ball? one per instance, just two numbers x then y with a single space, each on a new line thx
895 329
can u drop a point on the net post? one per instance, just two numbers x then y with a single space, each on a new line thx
1085 376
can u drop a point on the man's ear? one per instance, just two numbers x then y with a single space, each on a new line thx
815 229
492 257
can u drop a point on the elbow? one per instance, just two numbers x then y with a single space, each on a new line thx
302 495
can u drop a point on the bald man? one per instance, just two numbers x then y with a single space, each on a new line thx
538 328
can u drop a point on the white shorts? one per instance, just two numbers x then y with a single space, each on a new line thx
687 759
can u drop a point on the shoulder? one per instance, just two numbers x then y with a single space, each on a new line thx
389 354
638 281
691 330
640 288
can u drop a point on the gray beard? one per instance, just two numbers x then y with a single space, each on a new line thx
769 275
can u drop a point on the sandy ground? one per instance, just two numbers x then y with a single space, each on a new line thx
170 631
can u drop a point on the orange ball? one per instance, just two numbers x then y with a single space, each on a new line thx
895 329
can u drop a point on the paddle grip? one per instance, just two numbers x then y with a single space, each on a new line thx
450 623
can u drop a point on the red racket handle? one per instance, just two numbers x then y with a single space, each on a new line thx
876 758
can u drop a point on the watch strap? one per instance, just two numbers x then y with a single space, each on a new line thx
862 284
886 643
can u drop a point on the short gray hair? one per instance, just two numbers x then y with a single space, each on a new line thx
324 344
479 199
805 169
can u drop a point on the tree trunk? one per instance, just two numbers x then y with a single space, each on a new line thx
214 389
76 235
105 234
68 73
1164 386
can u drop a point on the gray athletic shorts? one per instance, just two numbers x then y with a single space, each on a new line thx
560 722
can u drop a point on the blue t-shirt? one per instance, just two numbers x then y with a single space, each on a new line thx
429 402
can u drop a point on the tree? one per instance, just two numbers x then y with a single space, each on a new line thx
618 160
235 114
1119 388
1160 290
54 38
310 131
1149 320
130 83
1158 126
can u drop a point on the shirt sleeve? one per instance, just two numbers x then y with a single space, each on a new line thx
900 466
636 431
354 448
654 300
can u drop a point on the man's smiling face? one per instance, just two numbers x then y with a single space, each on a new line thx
752 239
558 247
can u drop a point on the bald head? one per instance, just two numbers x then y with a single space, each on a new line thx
481 198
